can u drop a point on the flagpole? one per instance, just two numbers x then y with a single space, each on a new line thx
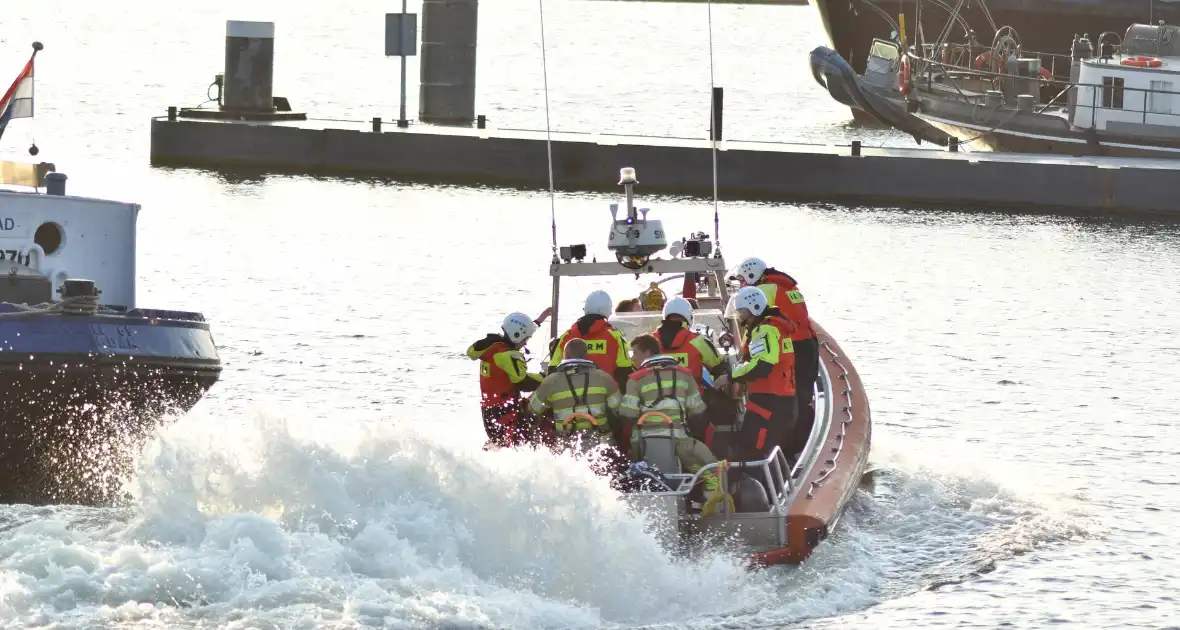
37 47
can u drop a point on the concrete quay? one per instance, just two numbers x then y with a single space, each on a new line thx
746 170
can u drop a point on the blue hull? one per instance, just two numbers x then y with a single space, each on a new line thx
80 394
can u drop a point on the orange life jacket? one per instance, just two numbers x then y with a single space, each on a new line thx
494 385
687 356
602 347
789 300
781 380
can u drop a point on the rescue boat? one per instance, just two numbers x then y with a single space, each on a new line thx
782 510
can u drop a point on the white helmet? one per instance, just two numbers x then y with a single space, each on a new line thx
749 270
518 327
599 303
750 298
679 306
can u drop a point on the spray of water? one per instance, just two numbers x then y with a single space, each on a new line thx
301 524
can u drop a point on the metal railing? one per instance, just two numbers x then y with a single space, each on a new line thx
1119 93
774 474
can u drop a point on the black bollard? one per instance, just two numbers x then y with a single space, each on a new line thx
953 144
171 113
481 121
376 124
856 148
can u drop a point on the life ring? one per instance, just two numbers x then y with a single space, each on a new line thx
1045 74
1142 62
903 77
983 58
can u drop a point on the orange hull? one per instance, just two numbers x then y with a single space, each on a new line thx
832 480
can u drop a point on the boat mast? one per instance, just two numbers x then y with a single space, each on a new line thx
713 132
549 150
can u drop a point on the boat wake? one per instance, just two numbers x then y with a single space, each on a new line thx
271 522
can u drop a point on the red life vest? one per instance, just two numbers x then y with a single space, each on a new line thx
494 385
687 356
789 300
602 347
781 381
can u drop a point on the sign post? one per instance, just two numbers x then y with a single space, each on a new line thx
401 40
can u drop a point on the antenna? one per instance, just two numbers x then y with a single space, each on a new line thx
548 136
713 132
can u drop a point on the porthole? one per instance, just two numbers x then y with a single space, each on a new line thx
49 236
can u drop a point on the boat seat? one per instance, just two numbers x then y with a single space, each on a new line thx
749 495
656 446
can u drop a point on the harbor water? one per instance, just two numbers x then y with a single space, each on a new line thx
1019 366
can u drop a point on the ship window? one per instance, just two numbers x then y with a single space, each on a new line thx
1160 98
49 236
1112 92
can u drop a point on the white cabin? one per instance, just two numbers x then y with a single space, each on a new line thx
1135 90
65 237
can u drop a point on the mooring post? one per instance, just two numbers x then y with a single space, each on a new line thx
715 114
171 113
856 148
447 94
249 66
953 144
401 40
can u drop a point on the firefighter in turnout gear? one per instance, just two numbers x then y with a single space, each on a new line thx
783 293
503 376
768 373
662 389
582 398
605 346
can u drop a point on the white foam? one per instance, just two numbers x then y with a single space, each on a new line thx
293 524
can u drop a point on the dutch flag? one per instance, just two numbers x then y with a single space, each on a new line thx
18 100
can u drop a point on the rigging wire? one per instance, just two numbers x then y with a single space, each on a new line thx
548 136
713 132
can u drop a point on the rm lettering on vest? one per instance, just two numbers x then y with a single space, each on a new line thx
596 346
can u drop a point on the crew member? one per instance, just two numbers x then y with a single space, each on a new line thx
605 346
699 355
767 371
503 376
584 402
664 387
783 293
692 351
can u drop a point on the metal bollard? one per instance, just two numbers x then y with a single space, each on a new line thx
953 144
376 124
856 148
171 113
481 121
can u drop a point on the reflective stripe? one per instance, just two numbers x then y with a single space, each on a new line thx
560 395
662 431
